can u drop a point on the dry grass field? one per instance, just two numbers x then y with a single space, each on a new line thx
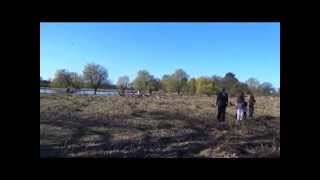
152 127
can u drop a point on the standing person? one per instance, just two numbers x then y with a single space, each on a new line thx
252 101
240 107
222 103
245 109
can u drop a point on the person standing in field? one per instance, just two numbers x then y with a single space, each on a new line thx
252 101
240 107
139 93
222 103
245 109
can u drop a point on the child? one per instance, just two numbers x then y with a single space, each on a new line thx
240 107
239 111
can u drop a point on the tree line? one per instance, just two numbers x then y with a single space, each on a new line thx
96 76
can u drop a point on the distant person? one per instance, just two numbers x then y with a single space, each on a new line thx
140 93
240 107
222 103
252 101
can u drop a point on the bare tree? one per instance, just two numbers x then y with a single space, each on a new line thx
122 84
95 75
266 88
253 83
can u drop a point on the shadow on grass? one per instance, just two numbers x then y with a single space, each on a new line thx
182 143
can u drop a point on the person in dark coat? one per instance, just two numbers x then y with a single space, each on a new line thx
245 107
252 101
222 103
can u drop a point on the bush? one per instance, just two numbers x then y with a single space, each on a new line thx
205 86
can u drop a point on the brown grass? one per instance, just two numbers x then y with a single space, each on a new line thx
166 127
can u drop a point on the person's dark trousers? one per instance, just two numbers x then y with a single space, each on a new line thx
221 113
251 111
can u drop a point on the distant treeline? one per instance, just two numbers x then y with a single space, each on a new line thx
95 76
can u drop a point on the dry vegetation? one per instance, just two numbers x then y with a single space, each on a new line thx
165 127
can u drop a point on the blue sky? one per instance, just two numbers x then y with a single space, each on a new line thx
246 49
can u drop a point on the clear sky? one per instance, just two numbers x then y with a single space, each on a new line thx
246 49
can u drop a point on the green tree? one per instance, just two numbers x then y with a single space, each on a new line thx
192 86
142 81
229 80
166 83
44 83
230 83
153 84
205 85
65 79
179 80
95 75
62 79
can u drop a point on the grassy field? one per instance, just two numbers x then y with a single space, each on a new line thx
165 127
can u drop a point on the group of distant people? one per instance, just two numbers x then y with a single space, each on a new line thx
241 106
138 93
